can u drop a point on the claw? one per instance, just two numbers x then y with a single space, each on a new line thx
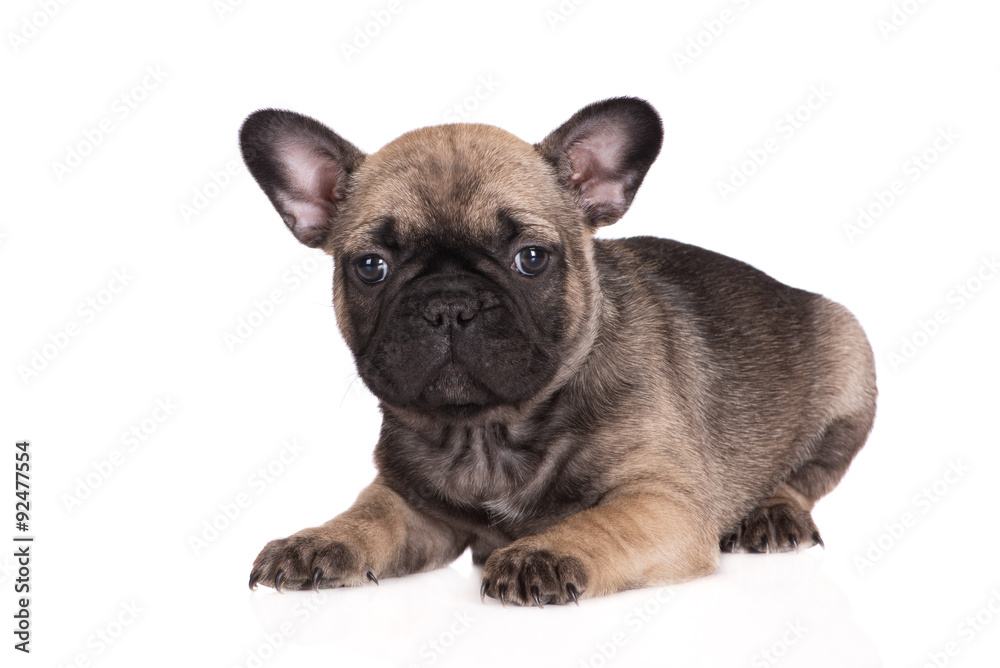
793 540
818 540
482 590
278 580
371 577
317 576
573 593
254 578
534 596
501 591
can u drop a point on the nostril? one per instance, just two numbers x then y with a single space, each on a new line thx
451 310
466 310
433 311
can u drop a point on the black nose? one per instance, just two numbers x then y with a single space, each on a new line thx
451 308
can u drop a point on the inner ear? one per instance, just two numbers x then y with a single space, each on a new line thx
316 184
602 154
302 166
593 165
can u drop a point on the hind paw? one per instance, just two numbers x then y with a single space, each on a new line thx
774 528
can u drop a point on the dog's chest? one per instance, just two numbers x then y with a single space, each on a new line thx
488 474
482 465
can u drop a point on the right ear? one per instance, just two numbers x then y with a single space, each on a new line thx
302 166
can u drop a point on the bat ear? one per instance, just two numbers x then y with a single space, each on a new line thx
602 154
302 166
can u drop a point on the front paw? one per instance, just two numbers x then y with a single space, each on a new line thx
310 559
526 575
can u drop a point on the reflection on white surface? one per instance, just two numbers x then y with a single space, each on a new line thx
757 610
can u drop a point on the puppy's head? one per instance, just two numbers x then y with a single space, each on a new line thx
464 280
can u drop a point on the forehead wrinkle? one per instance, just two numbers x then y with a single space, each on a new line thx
452 179
534 228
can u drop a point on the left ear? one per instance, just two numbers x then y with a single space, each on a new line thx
602 154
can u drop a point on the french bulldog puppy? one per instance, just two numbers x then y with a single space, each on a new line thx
587 416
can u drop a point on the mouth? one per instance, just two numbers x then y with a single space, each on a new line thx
452 388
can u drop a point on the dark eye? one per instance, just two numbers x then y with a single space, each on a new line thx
371 269
531 261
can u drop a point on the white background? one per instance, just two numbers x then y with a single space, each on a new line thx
911 532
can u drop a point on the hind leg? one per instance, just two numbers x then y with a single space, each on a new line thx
783 522
817 476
